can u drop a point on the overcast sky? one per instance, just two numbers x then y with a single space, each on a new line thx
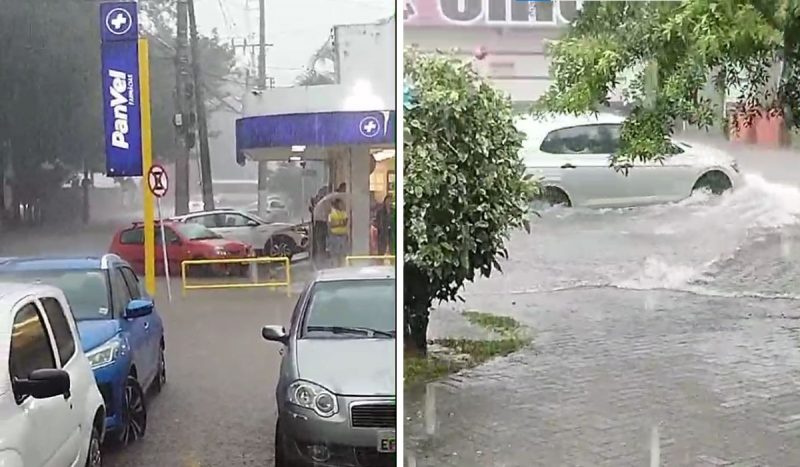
296 28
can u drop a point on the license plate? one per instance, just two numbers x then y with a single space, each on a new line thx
387 441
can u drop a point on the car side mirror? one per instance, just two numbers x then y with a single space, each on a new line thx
275 334
139 308
44 383
176 241
252 224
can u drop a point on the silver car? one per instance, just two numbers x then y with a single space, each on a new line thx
336 392
571 156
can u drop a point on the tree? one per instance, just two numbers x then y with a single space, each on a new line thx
673 51
319 67
159 21
51 122
464 184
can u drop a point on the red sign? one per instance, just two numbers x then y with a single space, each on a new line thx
490 13
157 181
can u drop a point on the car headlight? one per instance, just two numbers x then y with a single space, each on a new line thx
106 353
313 396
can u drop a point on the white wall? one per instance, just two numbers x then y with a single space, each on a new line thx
366 52
516 60
366 55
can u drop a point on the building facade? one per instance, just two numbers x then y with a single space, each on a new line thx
513 34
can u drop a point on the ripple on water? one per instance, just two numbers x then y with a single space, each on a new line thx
746 241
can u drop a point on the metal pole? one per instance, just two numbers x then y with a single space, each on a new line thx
182 96
262 44
263 171
164 249
200 107
147 162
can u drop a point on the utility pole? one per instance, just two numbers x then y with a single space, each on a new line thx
185 119
200 108
263 171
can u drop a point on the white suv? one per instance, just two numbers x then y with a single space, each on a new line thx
51 412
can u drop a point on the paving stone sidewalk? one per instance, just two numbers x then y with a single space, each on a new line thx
717 381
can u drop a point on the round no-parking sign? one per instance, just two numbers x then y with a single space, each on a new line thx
157 181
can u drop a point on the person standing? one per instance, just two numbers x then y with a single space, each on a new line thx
319 223
384 224
322 211
338 232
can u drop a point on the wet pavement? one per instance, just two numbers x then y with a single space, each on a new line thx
218 407
663 335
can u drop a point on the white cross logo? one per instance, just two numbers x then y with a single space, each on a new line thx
369 127
119 21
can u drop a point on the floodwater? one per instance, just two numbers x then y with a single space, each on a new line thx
663 335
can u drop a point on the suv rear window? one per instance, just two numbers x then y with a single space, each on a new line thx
132 236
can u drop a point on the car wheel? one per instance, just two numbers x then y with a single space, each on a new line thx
280 246
134 413
551 196
715 181
161 377
94 458
280 455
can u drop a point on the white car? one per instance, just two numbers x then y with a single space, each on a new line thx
51 411
270 238
276 209
571 155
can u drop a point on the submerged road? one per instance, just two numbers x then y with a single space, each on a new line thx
665 332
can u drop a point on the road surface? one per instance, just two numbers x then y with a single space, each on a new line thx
218 407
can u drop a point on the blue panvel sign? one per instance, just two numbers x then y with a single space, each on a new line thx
120 78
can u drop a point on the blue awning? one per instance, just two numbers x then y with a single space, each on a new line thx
314 130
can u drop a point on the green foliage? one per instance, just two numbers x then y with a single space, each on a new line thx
464 190
51 94
674 49
459 354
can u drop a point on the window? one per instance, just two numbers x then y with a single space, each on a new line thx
30 344
86 290
235 220
210 221
119 291
195 232
134 287
351 303
172 237
132 236
583 139
60 327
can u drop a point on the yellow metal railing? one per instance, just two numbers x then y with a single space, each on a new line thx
387 259
287 282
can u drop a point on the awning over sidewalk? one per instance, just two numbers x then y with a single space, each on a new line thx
269 137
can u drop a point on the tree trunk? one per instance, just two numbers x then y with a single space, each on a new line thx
416 329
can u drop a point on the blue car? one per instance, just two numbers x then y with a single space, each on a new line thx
120 331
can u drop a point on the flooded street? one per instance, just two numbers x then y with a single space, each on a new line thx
664 334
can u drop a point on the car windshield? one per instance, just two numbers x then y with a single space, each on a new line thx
351 309
195 232
86 290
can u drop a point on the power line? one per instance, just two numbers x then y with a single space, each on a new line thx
225 16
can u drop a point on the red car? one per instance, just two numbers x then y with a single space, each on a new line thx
184 242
